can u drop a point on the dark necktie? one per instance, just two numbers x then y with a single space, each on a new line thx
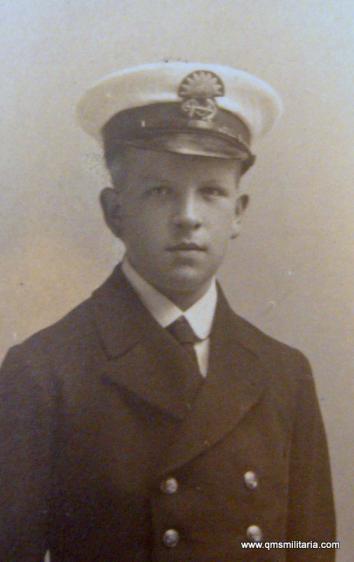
184 334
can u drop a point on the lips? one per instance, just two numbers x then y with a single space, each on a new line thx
187 247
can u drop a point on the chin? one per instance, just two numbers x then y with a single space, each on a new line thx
187 280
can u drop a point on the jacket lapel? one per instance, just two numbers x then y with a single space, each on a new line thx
142 357
235 382
146 360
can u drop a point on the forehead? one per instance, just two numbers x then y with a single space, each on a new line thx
169 166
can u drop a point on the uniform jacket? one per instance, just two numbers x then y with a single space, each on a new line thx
94 419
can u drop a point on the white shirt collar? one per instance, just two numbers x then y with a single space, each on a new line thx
200 315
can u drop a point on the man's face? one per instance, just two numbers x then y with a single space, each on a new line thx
175 214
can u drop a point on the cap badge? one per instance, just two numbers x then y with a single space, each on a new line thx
198 91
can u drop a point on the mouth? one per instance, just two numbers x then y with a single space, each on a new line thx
187 247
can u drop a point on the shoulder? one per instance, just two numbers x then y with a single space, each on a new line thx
54 344
269 348
287 372
286 366
72 335
277 357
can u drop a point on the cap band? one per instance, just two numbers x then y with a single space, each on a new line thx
164 127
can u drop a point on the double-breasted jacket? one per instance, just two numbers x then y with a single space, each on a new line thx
103 458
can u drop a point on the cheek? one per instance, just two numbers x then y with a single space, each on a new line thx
143 231
221 221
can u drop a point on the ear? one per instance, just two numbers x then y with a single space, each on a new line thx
241 205
111 207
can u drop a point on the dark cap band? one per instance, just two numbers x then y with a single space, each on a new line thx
163 127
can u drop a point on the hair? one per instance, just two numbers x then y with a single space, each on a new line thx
115 165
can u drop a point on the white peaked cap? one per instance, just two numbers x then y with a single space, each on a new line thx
187 108
252 100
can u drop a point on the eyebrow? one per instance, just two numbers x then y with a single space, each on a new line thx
155 178
208 181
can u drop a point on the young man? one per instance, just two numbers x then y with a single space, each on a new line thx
153 423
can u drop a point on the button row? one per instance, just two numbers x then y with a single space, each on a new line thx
170 485
171 537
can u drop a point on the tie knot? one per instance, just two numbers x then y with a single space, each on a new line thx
183 332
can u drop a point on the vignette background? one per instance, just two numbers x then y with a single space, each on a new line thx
290 272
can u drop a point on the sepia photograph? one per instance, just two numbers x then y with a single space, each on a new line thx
176 287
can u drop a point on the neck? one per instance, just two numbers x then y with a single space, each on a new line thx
183 297
185 300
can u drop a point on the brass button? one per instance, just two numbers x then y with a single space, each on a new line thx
254 533
251 479
170 538
169 486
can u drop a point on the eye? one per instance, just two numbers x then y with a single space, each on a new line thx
213 191
158 191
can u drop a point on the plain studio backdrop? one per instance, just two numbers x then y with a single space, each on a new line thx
290 270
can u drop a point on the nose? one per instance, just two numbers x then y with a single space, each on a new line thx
187 213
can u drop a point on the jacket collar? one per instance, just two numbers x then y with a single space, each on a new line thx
200 315
146 360
122 320
143 357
